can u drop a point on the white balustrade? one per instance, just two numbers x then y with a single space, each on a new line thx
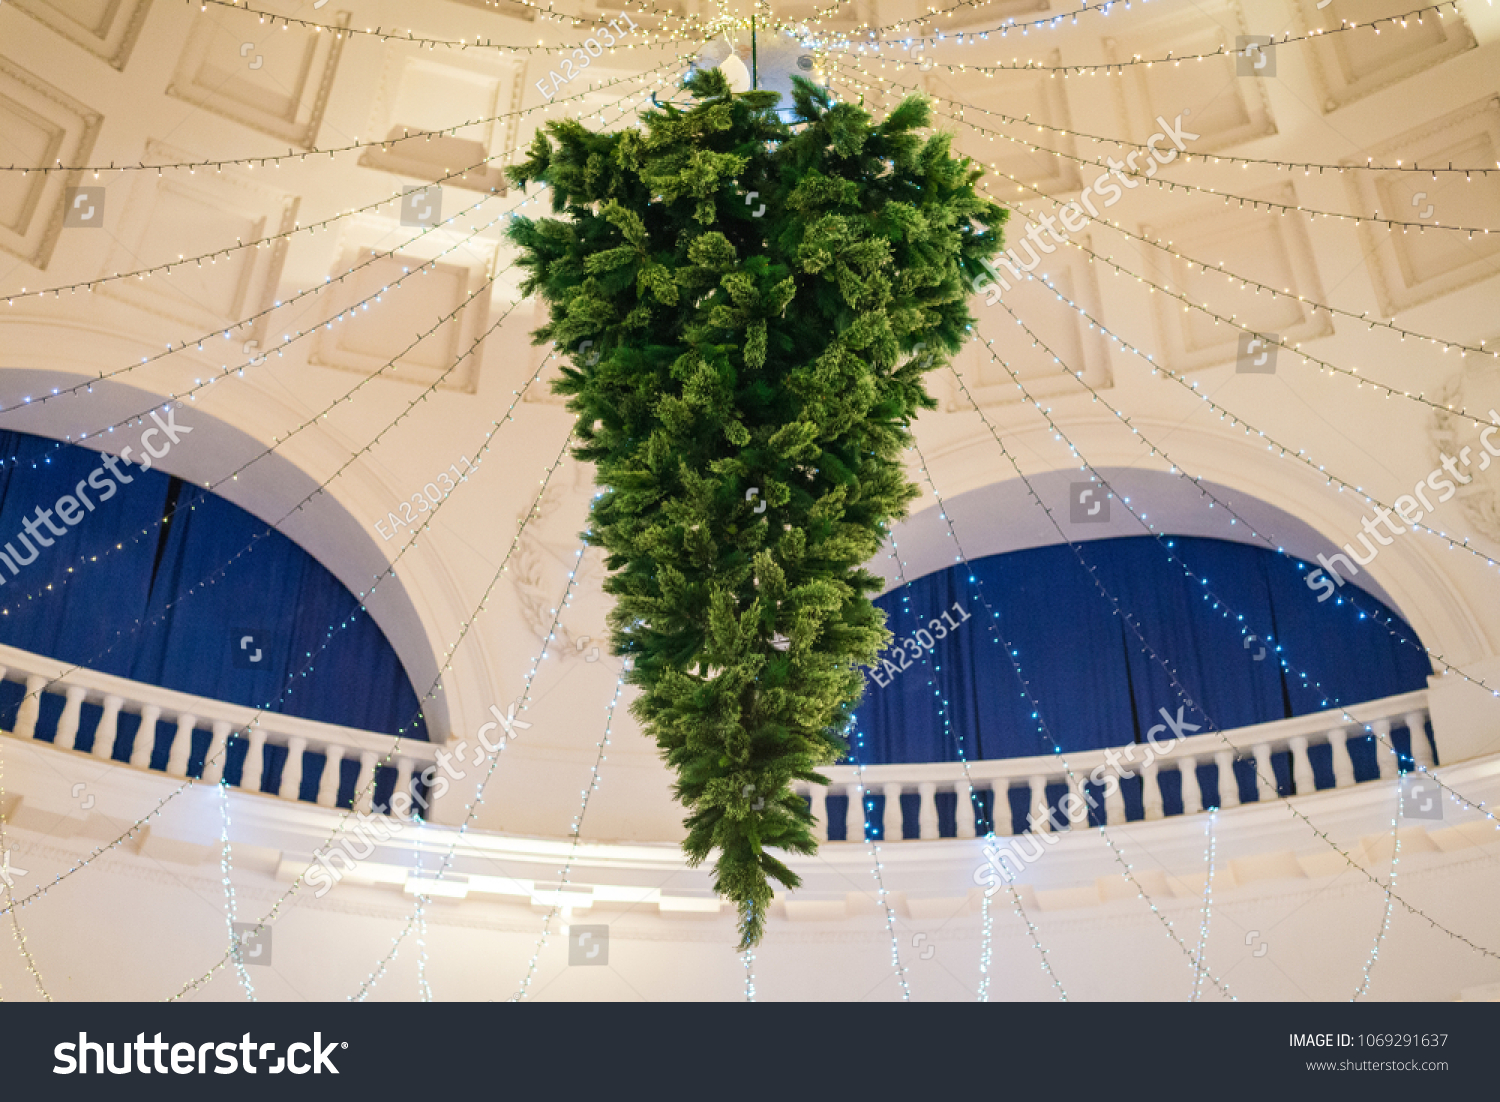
115 696
300 737
1034 775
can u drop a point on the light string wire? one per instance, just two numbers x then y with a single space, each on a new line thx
566 872
17 933
1262 769
1118 68
279 441
748 959
468 624
395 747
1227 611
1208 903
1076 784
522 706
226 869
361 598
1363 318
877 870
13 297
121 634
1000 801
424 989
1385 918
1216 501
1172 185
479 43
1186 156
1049 22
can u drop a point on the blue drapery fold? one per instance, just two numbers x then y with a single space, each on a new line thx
168 603
1089 639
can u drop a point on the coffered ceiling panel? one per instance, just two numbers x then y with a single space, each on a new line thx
1416 265
276 82
106 28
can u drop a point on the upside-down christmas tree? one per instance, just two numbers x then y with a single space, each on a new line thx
750 305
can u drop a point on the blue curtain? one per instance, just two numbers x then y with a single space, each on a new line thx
1090 664
170 603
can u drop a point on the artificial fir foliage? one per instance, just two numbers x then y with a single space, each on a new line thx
750 306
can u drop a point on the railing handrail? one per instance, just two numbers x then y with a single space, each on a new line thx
1276 734
279 728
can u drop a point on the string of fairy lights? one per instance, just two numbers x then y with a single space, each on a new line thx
1208 901
471 809
14 905
882 894
479 42
1216 501
448 657
575 836
969 791
1153 178
13 908
1385 918
1229 614
1399 21
1245 282
226 878
419 917
1012 655
1263 770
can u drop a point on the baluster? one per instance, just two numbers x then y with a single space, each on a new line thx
1040 821
1265 775
328 783
927 816
145 737
1151 798
817 804
109 728
67 723
893 824
1114 800
1421 749
1343 764
182 746
291 772
1075 790
255 761
1303 781
403 784
1000 813
213 761
1192 792
963 809
1229 785
364 785
1385 750
31 707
